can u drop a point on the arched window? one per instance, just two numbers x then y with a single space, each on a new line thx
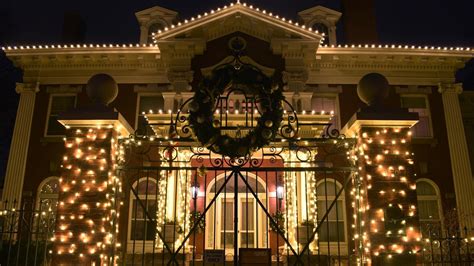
429 206
47 197
46 208
322 28
142 211
153 28
332 229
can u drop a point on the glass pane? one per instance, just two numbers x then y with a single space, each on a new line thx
247 220
143 230
428 209
332 232
333 214
425 189
413 102
139 211
227 239
60 104
228 215
142 187
247 240
329 189
51 187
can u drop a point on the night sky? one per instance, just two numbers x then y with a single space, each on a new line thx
417 22
423 22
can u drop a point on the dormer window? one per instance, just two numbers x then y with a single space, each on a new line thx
322 19
322 28
154 28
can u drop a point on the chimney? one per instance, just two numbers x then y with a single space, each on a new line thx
359 21
74 28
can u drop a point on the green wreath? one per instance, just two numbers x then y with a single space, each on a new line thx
202 109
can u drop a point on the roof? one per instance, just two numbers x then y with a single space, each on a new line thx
242 8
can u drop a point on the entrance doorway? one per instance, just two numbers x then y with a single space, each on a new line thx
251 219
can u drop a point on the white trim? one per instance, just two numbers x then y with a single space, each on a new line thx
40 186
50 101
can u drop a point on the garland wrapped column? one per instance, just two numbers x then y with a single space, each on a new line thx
90 192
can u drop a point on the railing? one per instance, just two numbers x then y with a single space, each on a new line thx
26 236
448 247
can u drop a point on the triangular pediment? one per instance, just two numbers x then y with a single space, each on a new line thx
238 17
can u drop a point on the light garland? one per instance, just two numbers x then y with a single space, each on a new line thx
88 211
384 188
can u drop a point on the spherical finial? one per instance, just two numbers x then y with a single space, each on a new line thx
102 89
373 88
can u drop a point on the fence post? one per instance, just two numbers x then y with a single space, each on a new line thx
386 223
87 224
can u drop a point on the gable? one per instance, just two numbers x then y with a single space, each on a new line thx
238 17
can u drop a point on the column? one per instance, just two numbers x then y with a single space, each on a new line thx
458 151
15 174
89 199
385 227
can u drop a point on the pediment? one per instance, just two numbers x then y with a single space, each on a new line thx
238 17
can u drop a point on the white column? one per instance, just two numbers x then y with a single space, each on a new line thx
15 174
458 150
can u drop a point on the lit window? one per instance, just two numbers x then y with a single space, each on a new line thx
332 229
58 104
428 207
418 104
143 210
146 104
326 104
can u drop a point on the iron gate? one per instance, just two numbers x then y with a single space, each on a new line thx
287 204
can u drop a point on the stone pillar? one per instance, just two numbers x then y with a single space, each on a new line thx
89 198
386 226
459 154
15 174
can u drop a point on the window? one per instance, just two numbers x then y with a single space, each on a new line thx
328 105
332 229
147 103
428 206
46 207
322 28
153 29
47 198
58 104
419 104
142 215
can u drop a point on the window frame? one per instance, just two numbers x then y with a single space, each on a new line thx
436 197
333 246
428 108
50 103
139 243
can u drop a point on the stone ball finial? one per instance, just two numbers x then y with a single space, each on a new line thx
373 88
102 89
